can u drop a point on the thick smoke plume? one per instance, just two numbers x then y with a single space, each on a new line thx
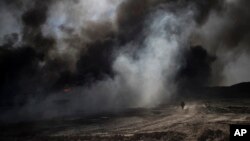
225 34
84 57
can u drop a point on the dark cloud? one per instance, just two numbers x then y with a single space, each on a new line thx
130 17
204 7
196 70
57 44
36 16
16 64
225 34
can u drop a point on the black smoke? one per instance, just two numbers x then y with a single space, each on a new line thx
44 56
196 70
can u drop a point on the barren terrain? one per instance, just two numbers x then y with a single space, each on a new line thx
201 120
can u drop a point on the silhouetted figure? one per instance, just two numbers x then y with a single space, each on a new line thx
182 104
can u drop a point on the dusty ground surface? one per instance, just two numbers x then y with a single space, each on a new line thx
203 120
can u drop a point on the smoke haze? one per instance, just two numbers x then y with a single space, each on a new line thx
61 58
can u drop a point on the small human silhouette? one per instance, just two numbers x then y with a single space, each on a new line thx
182 104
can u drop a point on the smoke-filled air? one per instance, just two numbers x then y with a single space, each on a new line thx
84 57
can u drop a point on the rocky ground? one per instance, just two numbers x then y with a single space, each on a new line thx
203 120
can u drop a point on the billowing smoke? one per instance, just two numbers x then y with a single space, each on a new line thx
75 24
84 57
225 34
149 72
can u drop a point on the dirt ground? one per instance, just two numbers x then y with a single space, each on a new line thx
203 120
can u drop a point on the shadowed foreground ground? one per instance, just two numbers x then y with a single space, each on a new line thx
199 121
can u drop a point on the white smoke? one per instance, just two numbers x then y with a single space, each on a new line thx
149 76
73 24
78 15
10 22
144 74
237 67
219 36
